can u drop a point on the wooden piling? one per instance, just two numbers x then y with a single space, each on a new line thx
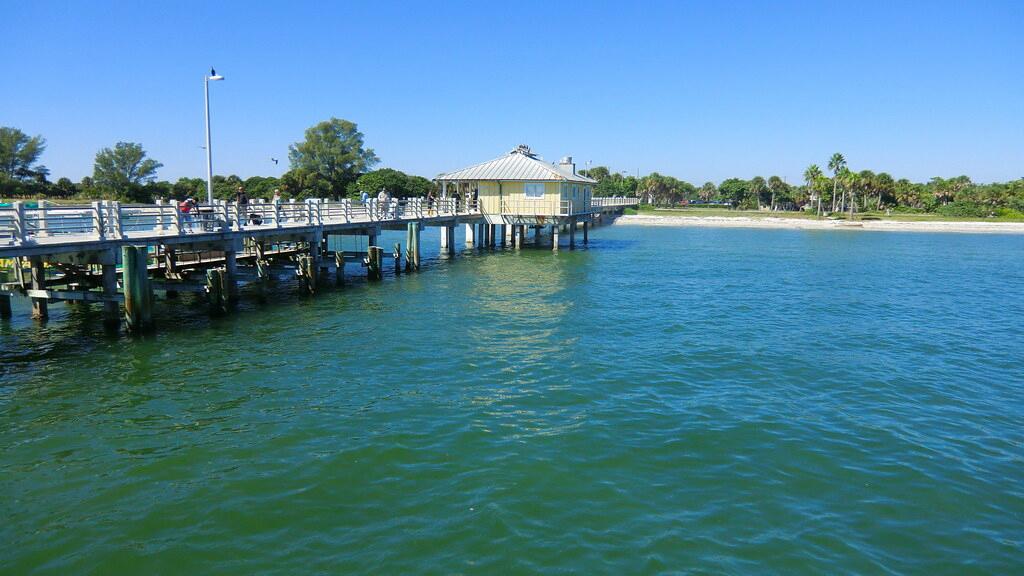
308 273
572 234
375 262
138 293
339 268
215 292
231 273
586 237
412 243
5 305
38 274
111 309
397 255
554 237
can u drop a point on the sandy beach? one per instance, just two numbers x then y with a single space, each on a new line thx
802 224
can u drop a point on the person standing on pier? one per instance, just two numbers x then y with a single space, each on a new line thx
185 207
382 202
430 203
458 198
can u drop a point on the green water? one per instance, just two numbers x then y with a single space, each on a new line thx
668 400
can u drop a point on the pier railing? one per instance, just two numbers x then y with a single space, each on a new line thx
110 220
545 207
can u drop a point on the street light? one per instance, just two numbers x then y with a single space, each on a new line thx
209 153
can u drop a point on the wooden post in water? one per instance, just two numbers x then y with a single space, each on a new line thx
39 309
444 240
554 237
339 267
412 259
138 293
471 235
572 234
397 255
586 238
374 262
111 309
5 305
536 235
231 272
308 272
215 291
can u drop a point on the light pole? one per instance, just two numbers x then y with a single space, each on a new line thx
209 153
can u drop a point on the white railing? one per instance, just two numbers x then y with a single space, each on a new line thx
109 220
613 201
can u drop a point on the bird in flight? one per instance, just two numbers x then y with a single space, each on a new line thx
274 160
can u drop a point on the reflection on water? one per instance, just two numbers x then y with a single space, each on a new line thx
737 400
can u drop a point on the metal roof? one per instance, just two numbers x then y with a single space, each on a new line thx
517 165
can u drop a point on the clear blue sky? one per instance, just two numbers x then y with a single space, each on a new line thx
701 91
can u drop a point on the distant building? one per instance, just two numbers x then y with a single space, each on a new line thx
520 188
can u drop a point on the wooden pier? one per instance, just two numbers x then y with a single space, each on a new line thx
114 254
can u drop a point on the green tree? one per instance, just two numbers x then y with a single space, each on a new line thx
597 173
333 150
397 183
778 187
757 187
836 164
708 191
811 176
124 169
19 154
735 190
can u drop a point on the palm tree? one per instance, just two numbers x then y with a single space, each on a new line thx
836 164
811 176
884 185
757 187
708 191
851 181
777 186
869 183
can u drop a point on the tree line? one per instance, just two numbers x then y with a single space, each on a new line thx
332 161
837 189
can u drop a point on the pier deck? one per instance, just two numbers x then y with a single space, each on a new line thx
111 253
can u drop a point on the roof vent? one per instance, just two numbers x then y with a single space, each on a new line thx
524 150
566 163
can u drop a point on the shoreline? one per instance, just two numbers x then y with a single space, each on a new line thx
771 222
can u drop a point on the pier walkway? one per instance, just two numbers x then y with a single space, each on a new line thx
116 253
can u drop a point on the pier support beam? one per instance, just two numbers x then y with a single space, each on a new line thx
39 305
492 234
231 273
138 293
536 235
111 309
412 244
448 240
554 237
339 268
572 234
5 305
470 235
375 262
586 237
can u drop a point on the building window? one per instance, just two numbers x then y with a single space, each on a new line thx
534 189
